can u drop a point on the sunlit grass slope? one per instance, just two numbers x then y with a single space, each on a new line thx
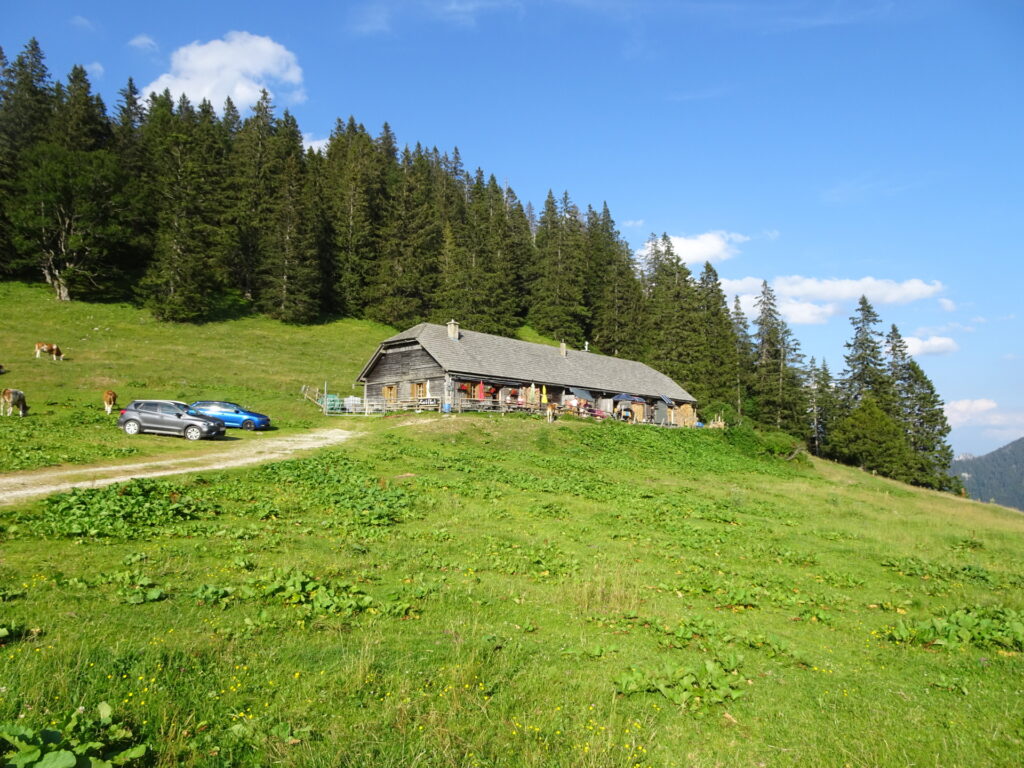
497 591
255 361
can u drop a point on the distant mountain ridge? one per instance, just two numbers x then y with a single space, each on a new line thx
997 476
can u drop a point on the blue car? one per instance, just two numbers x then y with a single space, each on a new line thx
232 414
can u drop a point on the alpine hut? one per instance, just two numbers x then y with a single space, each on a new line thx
451 369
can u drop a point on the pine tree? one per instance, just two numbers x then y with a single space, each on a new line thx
26 105
670 332
254 174
410 241
778 378
865 365
615 292
519 252
137 210
556 303
919 411
490 299
63 212
871 439
288 281
354 205
822 407
184 281
745 360
716 357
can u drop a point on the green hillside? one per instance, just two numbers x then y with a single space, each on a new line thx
481 590
256 361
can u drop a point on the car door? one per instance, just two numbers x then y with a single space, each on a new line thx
230 415
168 418
149 417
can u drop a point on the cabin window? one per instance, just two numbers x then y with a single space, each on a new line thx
389 392
419 389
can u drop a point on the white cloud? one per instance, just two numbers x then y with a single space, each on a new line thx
633 223
143 42
933 345
749 285
806 312
812 300
960 413
82 23
95 70
947 304
717 245
318 145
877 290
239 66
999 425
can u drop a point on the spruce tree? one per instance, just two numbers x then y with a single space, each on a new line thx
26 105
287 288
137 211
63 212
745 360
778 377
185 282
354 205
615 292
716 357
254 174
871 439
865 364
409 238
822 407
670 333
919 410
556 303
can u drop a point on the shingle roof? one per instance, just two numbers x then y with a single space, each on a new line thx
481 354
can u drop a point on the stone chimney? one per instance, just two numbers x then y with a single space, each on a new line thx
562 349
453 330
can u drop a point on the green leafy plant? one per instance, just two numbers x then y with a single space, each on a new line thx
124 510
981 627
716 681
82 742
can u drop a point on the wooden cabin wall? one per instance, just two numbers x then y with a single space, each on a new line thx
404 366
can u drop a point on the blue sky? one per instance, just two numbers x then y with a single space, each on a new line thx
832 148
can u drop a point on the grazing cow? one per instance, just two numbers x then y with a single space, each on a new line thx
49 349
552 412
109 400
11 399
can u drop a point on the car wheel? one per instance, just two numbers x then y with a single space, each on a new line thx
193 433
132 427
248 425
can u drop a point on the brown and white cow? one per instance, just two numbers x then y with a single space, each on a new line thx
11 399
53 350
109 400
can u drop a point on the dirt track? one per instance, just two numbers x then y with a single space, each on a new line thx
20 486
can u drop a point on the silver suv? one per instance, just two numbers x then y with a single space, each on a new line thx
168 417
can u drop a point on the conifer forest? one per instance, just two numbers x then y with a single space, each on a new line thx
201 214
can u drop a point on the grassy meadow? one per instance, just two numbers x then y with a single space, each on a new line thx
477 590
